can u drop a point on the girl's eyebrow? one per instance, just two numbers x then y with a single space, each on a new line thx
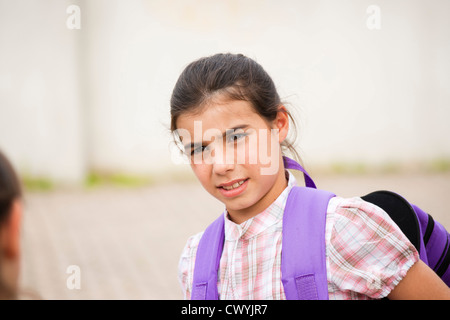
224 134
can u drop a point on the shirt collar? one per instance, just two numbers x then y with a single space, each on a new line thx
263 220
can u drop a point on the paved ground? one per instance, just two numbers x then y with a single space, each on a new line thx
126 242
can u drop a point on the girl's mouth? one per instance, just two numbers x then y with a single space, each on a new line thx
234 188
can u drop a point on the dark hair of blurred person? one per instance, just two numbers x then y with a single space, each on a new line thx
10 222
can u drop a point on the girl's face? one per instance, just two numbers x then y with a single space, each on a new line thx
236 155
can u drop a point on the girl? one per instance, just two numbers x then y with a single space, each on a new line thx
228 116
10 218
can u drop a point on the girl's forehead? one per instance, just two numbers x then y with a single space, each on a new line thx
223 114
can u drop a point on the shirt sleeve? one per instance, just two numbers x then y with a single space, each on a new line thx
368 254
186 265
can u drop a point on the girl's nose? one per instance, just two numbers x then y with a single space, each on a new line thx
222 163
222 168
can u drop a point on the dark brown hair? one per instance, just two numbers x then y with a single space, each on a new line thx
10 188
232 76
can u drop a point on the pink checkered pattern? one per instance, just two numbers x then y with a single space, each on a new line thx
367 254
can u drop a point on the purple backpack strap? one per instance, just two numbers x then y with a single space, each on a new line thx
209 251
303 256
291 164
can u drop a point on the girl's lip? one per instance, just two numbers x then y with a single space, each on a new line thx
234 192
230 183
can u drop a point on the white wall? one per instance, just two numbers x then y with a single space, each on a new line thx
40 114
98 97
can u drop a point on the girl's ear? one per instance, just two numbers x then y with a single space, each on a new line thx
281 123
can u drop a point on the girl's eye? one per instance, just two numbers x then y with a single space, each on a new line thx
235 136
200 149
197 150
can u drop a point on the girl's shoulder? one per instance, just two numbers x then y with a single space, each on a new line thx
191 245
358 219
352 204
187 262
359 211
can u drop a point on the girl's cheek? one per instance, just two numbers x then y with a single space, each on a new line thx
202 172
197 169
250 149
242 152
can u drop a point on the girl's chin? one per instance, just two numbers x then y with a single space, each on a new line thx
234 204
241 207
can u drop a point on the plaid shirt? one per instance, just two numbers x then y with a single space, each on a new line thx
366 253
